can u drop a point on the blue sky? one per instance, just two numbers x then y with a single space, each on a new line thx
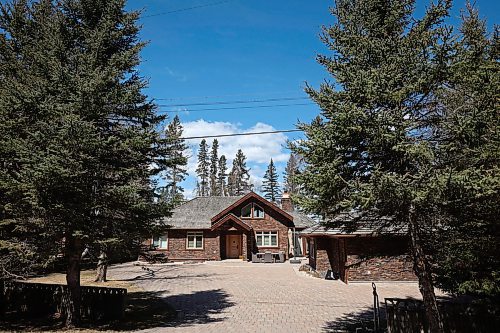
240 51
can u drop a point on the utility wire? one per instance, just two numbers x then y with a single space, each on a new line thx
238 102
227 95
235 108
189 8
240 134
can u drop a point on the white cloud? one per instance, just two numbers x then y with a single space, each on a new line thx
258 149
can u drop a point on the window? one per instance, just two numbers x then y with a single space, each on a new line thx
160 242
258 212
267 238
195 240
246 211
252 210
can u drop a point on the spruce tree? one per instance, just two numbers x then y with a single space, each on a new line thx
367 151
78 135
203 170
214 164
176 169
270 185
239 177
291 170
468 162
221 177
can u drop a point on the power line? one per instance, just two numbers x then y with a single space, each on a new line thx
238 102
227 95
240 134
189 8
236 108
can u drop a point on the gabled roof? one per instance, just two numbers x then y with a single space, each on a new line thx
252 195
231 217
203 212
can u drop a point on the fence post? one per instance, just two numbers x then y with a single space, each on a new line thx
376 309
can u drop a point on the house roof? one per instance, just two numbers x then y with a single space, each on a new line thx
352 223
197 213
234 218
201 212
256 197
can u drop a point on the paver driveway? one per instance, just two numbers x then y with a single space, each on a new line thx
238 296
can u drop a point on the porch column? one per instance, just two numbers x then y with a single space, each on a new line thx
244 245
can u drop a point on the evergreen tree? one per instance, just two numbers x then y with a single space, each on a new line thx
221 177
239 177
176 170
270 185
214 164
468 161
368 150
203 170
78 136
291 170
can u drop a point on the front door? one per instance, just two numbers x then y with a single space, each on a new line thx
233 246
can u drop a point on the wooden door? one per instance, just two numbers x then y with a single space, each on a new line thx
233 246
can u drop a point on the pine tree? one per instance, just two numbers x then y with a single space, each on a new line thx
468 162
214 164
239 177
176 169
78 135
221 177
368 150
291 170
270 185
203 170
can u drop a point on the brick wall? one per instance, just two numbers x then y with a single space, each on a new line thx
272 221
177 246
379 259
364 258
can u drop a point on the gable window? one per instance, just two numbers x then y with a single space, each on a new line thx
258 212
160 242
252 210
246 211
194 240
266 238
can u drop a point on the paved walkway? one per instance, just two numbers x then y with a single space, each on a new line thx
244 297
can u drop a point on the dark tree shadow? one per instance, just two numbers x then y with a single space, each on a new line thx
200 307
358 321
144 310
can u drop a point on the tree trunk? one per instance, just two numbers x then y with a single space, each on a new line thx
422 270
102 267
73 299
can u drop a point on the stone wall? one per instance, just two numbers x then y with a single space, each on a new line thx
364 258
177 243
272 221
381 268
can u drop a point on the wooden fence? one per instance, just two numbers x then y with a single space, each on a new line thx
408 316
31 300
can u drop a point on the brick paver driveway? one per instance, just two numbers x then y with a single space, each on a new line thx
244 297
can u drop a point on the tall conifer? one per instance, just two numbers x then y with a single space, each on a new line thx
270 186
203 170
214 165
221 177
368 150
176 168
78 146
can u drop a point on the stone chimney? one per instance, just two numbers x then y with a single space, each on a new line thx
286 202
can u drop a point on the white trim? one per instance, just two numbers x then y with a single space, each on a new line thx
268 235
195 234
